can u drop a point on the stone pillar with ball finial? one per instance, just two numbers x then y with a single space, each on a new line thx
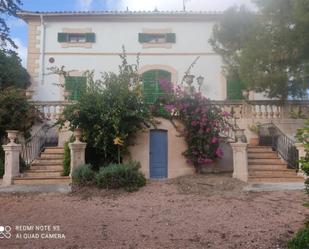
77 150
11 161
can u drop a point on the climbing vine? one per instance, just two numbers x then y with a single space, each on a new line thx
202 121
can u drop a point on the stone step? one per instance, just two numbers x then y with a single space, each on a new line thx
41 180
53 153
272 173
264 155
275 179
267 167
265 161
259 149
42 173
47 162
54 150
51 156
46 167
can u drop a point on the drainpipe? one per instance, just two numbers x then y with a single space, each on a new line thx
42 50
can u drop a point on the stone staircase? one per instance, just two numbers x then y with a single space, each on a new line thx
265 166
46 169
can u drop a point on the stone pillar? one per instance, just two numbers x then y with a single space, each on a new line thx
77 151
240 161
301 153
11 160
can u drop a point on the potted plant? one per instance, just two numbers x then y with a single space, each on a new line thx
254 140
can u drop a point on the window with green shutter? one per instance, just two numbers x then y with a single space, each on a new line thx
76 86
151 84
157 38
62 37
171 37
234 90
76 37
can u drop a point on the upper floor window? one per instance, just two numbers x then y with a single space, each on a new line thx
157 38
76 37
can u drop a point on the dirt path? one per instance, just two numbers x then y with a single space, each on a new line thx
190 212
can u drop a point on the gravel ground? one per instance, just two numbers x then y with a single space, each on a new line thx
189 212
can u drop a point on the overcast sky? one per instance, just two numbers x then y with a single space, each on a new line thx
206 5
19 28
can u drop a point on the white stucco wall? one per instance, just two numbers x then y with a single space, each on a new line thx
191 41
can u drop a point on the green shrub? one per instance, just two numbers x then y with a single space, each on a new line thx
1 168
1 162
116 176
111 108
83 175
22 165
66 160
307 186
300 240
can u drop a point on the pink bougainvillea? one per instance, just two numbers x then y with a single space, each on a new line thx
203 123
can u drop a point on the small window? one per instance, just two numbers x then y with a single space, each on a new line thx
76 37
157 38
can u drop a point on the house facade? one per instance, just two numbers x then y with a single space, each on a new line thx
166 42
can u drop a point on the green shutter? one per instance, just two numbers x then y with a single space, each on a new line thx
171 37
234 90
151 85
63 37
142 37
76 86
90 37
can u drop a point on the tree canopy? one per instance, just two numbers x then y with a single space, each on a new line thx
7 8
12 72
268 50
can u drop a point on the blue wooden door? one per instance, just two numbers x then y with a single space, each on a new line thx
158 154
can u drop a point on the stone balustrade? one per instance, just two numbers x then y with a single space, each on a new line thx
265 109
257 109
51 110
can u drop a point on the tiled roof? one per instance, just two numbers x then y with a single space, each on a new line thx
134 13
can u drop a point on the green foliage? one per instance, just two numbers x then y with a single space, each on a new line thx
111 109
12 72
1 162
22 165
303 137
7 8
231 35
66 160
300 240
116 176
202 121
269 52
83 175
16 112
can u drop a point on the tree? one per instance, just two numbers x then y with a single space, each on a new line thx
231 35
7 8
16 112
268 50
109 112
12 72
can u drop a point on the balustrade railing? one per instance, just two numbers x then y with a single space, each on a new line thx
257 109
33 146
271 135
265 109
51 110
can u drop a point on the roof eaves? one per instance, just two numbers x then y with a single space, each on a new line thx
107 13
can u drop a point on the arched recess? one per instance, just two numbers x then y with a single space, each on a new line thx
157 81
162 67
